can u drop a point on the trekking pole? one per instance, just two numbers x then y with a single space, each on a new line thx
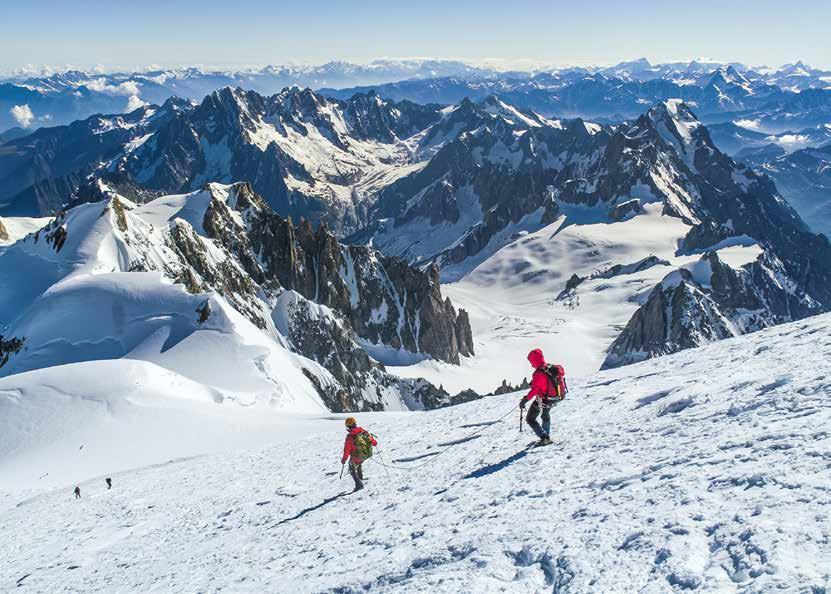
341 471
520 419
384 464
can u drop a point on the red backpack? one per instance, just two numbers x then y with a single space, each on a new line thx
557 387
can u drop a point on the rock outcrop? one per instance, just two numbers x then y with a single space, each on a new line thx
624 210
707 302
331 302
9 347
385 301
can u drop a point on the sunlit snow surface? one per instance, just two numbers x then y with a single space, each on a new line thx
512 295
703 470
19 227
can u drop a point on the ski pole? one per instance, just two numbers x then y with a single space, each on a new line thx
520 419
341 471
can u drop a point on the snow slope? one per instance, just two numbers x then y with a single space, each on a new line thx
73 295
97 417
19 227
706 470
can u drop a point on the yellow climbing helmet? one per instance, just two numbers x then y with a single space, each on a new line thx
351 422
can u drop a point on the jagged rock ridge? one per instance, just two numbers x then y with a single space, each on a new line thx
306 155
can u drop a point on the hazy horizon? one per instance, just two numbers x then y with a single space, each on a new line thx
111 36
528 65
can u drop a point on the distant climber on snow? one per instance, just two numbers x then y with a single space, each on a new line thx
77 492
548 387
109 482
357 448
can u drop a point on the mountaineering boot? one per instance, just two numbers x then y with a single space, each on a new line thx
544 442
357 488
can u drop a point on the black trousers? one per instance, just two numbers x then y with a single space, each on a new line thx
531 418
356 470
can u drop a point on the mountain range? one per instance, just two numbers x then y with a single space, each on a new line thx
407 195
619 91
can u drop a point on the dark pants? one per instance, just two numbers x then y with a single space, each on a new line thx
357 473
531 419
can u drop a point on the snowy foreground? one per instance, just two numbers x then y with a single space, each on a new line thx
707 470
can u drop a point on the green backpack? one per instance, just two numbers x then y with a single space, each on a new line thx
363 445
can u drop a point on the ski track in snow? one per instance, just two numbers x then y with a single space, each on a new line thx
707 470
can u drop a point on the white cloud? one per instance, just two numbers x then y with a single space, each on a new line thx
100 85
133 103
23 115
749 124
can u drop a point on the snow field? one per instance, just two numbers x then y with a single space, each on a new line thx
512 295
705 470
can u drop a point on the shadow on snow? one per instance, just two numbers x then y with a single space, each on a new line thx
496 466
311 509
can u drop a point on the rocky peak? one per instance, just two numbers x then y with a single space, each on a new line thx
301 102
728 77
677 124
371 117
227 111
709 301
385 301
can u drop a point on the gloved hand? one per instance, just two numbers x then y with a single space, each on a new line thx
522 404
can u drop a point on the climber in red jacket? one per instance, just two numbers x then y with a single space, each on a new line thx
357 448
547 387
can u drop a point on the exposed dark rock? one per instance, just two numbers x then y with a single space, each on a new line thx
204 311
118 209
571 285
684 312
55 232
186 277
674 318
385 300
225 277
624 210
9 347
704 235
506 388
640 265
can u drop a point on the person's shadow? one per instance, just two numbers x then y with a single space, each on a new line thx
496 466
311 509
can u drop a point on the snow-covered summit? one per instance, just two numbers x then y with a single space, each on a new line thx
677 124
728 76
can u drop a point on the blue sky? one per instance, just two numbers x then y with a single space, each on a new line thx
119 33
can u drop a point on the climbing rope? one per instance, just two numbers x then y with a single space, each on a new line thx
448 448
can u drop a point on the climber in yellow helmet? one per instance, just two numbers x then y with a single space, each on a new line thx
357 448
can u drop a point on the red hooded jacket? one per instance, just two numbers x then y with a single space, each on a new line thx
349 445
540 383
